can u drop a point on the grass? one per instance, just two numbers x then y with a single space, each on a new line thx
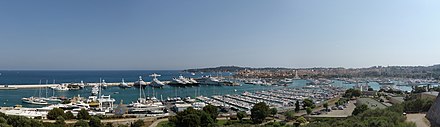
162 124
219 122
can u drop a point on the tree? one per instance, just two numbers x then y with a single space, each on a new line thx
273 111
289 115
191 120
241 115
54 113
138 123
206 120
301 119
95 122
3 120
309 110
297 106
212 111
308 103
108 125
83 114
326 106
81 123
352 93
259 112
60 121
68 115
360 109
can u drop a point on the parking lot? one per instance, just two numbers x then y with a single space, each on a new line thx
345 112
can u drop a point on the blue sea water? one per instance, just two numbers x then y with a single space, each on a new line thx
13 97
34 77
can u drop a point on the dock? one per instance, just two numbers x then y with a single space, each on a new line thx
32 86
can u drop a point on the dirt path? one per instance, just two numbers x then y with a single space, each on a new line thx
419 119
155 123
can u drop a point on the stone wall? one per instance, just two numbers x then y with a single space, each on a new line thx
433 114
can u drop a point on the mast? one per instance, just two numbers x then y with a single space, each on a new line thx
46 88
39 90
153 92
99 92
140 87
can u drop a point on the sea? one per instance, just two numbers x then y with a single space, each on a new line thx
128 95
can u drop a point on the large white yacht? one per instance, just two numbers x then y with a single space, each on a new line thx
140 83
182 81
61 87
124 85
156 82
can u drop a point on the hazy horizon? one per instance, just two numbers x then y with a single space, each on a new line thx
178 35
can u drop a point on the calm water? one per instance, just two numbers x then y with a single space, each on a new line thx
34 77
13 97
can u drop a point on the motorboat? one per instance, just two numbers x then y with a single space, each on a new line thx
103 84
156 82
182 81
95 90
123 84
61 87
140 83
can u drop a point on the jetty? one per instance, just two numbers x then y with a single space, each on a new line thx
32 86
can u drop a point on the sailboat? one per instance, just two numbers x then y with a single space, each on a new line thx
35 100
52 98
144 104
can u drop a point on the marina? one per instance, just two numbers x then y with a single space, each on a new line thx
155 95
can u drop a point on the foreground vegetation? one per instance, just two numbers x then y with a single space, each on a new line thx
84 120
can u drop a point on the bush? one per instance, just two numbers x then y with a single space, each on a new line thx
360 109
83 114
138 123
60 121
81 123
309 110
95 122
241 115
54 113
290 115
69 115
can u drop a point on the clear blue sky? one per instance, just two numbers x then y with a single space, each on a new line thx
180 34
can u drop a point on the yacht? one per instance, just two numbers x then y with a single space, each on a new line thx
106 103
208 80
61 87
35 101
103 84
140 83
95 90
145 105
124 85
286 81
156 82
182 81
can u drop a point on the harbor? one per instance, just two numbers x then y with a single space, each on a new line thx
153 95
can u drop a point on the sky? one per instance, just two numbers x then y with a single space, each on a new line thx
182 34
